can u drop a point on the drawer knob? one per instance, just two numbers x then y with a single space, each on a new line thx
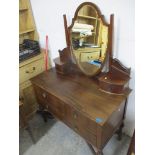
119 110
44 95
75 116
76 128
33 69
46 106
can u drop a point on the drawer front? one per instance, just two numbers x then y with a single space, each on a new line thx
117 116
30 70
81 124
88 136
87 56
113 123
50 102
27 96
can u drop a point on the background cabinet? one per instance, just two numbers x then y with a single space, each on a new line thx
32 66
27 29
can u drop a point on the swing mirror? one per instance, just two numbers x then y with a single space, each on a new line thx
89 39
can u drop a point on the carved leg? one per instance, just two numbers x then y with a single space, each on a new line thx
45 114
120 132
92 149
99 152
30 133
42 113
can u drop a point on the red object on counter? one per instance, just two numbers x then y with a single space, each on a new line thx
46 54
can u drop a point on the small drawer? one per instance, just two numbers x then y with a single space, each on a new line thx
30 70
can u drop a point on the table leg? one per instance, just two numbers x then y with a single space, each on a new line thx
99 151
45 114
30 133
91 148
120 131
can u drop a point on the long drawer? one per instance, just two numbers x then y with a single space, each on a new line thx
50 102
81 124
113 123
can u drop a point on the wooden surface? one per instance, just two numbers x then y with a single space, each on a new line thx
27 28
116 80
76 85
77 101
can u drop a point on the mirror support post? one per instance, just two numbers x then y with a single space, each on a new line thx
66 31
111 40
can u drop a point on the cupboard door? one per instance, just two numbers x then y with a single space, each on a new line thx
28 98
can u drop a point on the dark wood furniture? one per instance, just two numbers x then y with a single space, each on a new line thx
92 105
77 101
116 78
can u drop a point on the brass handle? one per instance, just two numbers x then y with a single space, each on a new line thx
44 95
33 69
75 116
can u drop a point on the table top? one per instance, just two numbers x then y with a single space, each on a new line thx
80 91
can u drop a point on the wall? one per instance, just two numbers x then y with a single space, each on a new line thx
49 20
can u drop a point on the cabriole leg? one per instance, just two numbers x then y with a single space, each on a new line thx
120 131
99 152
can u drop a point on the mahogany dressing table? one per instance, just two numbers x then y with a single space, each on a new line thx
77 91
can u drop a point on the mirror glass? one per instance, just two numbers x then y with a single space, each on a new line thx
89 40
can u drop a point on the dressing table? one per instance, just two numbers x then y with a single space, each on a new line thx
79 92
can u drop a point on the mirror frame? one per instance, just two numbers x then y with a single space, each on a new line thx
110 31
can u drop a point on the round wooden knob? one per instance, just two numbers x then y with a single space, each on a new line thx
44 95
75 116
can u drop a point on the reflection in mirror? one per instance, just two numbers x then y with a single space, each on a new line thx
89 40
